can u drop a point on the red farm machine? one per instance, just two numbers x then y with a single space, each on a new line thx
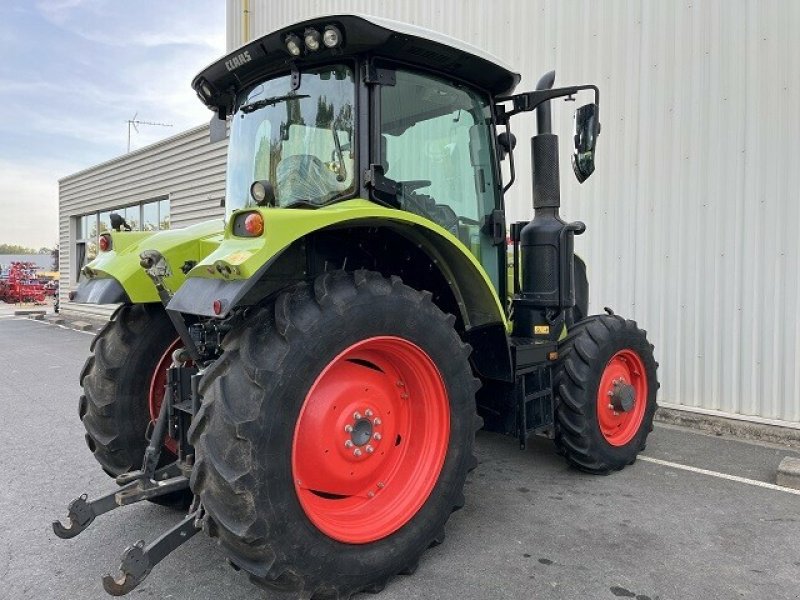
20 283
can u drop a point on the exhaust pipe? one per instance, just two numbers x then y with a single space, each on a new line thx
542 309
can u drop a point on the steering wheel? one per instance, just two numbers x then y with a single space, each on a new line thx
412 185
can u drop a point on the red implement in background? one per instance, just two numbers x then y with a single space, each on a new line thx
21 284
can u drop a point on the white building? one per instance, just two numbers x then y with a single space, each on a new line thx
692 210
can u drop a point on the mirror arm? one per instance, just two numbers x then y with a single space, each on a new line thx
512 174
528 101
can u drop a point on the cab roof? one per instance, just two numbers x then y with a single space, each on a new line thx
361 34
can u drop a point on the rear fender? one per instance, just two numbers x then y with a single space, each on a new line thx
239 263
117 276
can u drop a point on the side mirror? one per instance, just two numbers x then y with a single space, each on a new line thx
217 129
587 128
506 142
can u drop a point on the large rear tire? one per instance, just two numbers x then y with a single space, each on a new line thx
335 435
120 379
606 385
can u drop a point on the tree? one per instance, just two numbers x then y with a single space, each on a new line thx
16 249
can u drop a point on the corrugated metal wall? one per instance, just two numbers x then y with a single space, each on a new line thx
186 168
693 209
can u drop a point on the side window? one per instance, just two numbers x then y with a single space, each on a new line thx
436 143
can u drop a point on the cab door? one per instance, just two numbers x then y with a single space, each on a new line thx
435 143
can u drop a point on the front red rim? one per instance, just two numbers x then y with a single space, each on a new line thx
156 396
371 440
617 426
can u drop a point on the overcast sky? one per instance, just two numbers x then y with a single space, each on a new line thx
72 72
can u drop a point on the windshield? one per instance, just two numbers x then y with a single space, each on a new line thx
301 141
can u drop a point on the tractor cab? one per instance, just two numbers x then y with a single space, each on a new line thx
347 106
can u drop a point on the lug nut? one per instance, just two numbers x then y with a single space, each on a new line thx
370 494
356 415
377 436
369 449
348 428
400 384
368 413
376 421
357 452
348 443
381 484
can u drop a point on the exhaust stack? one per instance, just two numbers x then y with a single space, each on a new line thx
543 306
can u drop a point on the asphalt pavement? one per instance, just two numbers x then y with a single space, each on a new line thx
532 528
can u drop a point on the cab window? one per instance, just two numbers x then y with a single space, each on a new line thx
435 140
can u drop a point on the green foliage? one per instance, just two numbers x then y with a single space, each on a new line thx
17 249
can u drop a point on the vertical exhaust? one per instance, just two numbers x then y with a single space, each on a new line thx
542 309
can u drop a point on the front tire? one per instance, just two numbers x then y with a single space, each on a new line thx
605 384
298 487
123 382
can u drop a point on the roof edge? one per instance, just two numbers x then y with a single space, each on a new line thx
134 153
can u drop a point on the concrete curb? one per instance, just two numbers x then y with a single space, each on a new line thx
789 473
29 312
81 326
774 434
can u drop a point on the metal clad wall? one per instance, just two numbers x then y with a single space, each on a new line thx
693 211
184 167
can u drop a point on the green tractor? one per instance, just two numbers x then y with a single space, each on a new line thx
307 382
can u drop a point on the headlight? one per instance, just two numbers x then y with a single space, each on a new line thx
332 37
262 192
293 44
312 39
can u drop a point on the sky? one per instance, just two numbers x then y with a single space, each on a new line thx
72 73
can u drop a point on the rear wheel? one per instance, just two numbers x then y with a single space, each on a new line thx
335 435
123 388
606 386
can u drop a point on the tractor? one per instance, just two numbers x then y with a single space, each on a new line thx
305 382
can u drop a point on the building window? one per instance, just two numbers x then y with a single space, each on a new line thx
152 215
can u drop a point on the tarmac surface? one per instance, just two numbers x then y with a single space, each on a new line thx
532 528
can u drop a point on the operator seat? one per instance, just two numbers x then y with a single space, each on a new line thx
421 204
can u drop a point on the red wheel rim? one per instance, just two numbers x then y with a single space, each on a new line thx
625 369
371 440
156 397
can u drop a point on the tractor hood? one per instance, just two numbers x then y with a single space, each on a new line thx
116 275
219 83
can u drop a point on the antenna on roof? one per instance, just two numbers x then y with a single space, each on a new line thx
134 122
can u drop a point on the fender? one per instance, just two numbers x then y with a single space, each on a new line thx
116 276
229 272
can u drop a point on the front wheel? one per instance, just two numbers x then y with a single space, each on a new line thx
123 388
335 435
605 384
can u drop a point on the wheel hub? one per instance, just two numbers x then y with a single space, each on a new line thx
362 432
623 396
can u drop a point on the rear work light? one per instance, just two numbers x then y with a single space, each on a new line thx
104 243
249 224
254 224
